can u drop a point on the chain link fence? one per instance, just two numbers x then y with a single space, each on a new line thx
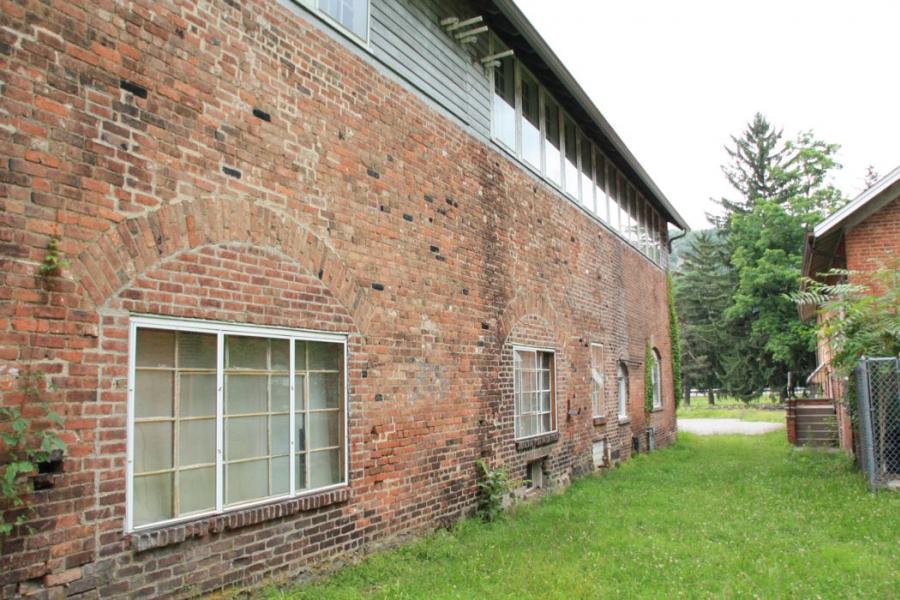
877 385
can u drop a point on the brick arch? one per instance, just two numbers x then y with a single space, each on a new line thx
111 263
528 303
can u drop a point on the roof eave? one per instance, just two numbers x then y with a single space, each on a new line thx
540 46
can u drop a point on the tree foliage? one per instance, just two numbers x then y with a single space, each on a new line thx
859 312
748 336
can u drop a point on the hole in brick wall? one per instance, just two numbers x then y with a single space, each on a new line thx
379 398
373 173
435 249
429 198
407 217
261 114
133 88
231 172
378 287
54 464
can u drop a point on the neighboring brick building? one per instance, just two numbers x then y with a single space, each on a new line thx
320 260
861 237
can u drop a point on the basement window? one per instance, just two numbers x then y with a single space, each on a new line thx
222 417
534 391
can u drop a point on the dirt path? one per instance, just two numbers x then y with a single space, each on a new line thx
726 426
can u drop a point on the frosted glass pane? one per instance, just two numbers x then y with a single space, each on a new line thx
324 468
299 422
152 499
246 352
196 442
281 475
281 393
528 360
246 481
246 437
246 394
545 423
324 390
281 434
545 401
324 356
196 350
154 394
299 393
197 489
152 447
300 355
155 348
323 429
197 395
281 357
300 474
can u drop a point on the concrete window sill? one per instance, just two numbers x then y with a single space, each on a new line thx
538 440
175 534
598 421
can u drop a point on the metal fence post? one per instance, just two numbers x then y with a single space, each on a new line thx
865 420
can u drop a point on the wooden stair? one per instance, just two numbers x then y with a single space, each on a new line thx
812 422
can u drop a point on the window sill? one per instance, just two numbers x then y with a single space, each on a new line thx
536 441
175 534
598 421
624 420
657 409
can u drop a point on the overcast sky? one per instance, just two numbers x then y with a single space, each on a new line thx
675 79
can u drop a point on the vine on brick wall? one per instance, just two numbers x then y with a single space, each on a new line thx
649 361
27 442
675 340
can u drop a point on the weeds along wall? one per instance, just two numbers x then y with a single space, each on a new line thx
132 132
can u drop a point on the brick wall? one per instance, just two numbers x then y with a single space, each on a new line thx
127 129
875 240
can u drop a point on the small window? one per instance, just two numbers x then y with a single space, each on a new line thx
351 14
552 140
531 120
656 379
586 167
505 103
601 203
534 391
571 174
597 380
189 381
622 385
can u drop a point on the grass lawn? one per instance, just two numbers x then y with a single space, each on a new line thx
738 412
721 516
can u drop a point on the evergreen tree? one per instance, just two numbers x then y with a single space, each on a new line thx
703 288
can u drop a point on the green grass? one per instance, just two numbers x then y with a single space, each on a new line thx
714 517
742 413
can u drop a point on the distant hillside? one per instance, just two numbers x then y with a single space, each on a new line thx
681 245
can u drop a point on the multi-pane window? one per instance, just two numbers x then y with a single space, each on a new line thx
656 379
224 416
351 14
586 168
597 380
622 389
531 124
571 158
531 120
505 103
552 139
534 391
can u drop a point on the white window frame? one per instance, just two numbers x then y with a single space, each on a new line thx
623 388
313 7
553 424
656 378
598 382
222 329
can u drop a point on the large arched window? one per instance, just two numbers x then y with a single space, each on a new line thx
622 383
656 375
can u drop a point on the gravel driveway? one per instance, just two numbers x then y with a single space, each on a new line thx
726 426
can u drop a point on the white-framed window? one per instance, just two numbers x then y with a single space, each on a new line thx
352 15
534 388
223 416
597 381
656 379
622 388
529 123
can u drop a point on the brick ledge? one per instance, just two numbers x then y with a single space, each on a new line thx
177 533
538 440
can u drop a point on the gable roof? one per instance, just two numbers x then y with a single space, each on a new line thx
870 201
511 24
